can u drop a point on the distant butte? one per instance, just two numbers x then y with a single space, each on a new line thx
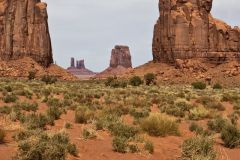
79 69
120 62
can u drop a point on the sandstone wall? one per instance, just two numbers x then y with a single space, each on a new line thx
24 31
186 29
121 57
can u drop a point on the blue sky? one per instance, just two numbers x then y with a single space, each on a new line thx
89 29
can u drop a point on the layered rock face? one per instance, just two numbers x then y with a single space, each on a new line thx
121 57
24 31
186 29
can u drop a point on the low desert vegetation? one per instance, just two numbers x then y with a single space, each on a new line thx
130 111
231 136
199 85
198 148
36 145
135 81
160 125
150 78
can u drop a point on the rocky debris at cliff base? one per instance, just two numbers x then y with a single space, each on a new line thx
227 74
191 65
20 69
116 71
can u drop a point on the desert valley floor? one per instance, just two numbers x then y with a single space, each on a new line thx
101 120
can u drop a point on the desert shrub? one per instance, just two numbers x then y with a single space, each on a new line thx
49 79
198 148
205 100
150 78
24 92
2 135
217 124
54 112
8 88
110 80
32 75
5 110
199 85
68 125
133 148
236 106
148 146
120 144
27 106
34 121
135 81
10 98
15 114
234 117
198 113
89 133
194 127
231 136
106 121
216 105
230 97
83 115
123 130
137 114
217 86
179 109
115 82
159 125
41 145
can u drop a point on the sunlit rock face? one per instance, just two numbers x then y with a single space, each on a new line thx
186 29
24 31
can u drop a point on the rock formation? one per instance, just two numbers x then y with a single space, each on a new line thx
24 31
72 63
79 70
81 64
186 29
121 57
120 62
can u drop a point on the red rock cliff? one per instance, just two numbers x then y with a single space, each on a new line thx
24 31
186 29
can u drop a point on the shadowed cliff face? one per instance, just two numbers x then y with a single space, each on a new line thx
186 29
24 31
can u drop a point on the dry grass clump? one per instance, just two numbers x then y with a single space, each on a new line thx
37 145
198 148
159 125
